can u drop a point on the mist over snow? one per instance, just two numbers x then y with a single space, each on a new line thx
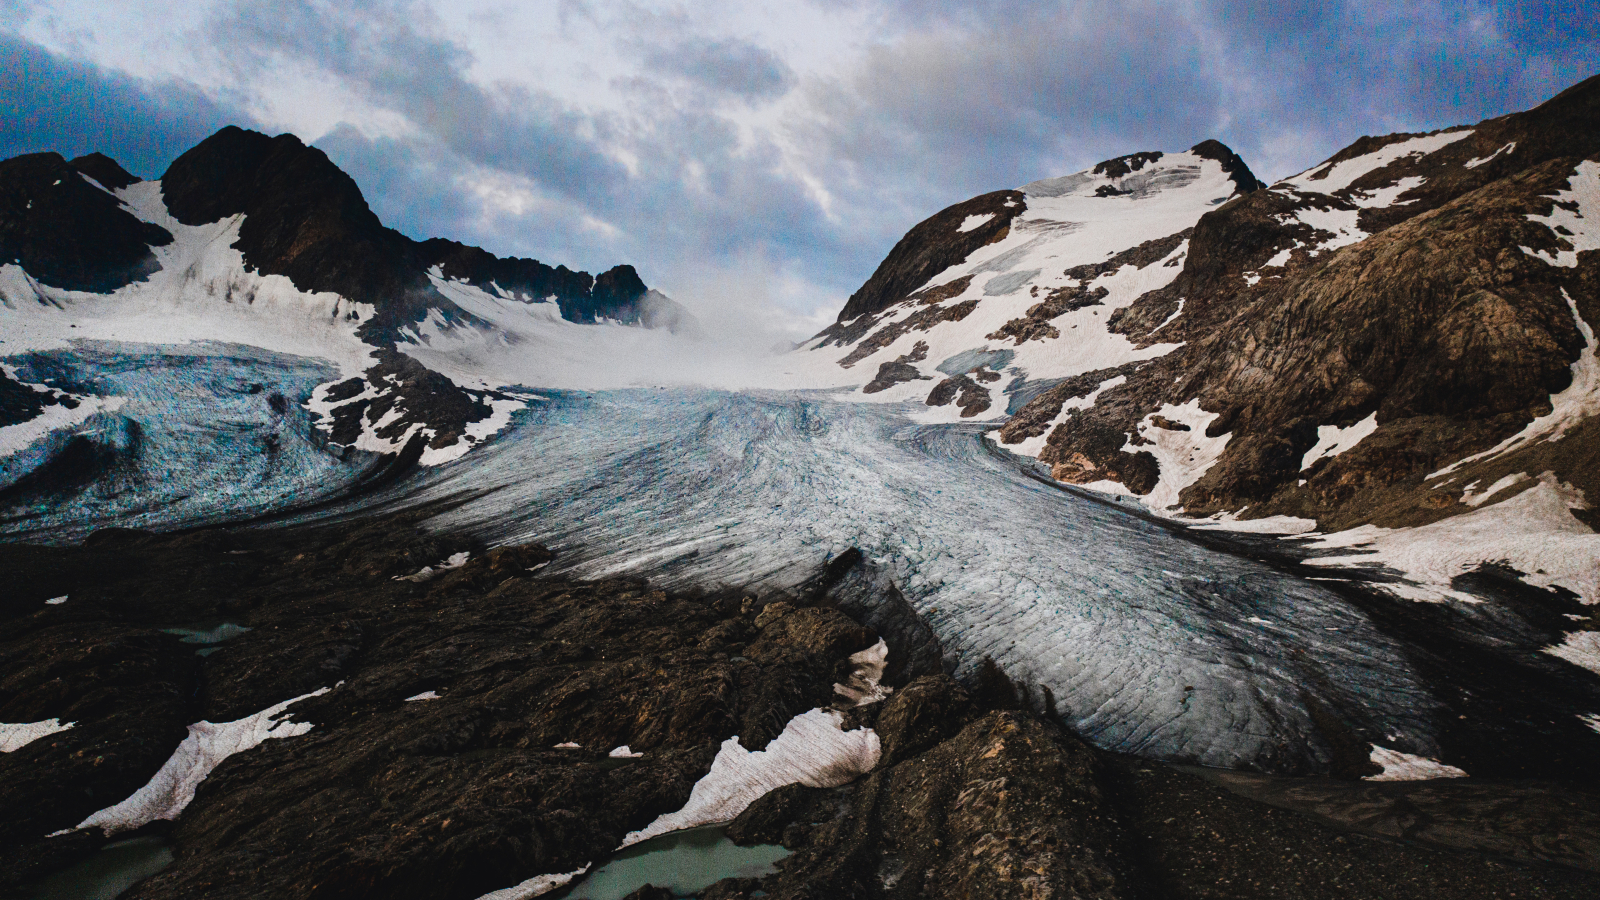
754 156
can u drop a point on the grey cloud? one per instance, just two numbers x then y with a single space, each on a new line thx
728 65
378 50
49 102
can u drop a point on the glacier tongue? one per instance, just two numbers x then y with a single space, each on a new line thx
1149 643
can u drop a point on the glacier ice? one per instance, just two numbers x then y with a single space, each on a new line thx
1143 637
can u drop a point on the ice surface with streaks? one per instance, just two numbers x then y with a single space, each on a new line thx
1149 642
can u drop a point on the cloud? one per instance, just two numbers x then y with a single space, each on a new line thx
669 186
777 155
49 102
728 65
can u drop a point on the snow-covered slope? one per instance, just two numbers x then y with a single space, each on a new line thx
1034 302
1361 348
262 245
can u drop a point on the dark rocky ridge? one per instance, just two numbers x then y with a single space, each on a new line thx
977 793
932 246
1437 323
306 219
66 232
452 797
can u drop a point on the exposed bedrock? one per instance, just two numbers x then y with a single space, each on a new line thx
935 244
1444 318
68 233
974 797
453 796
430 766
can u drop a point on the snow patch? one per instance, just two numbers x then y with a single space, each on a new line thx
56 601
813 750
1387 196
1340 224
425 695
1476 499
1168 320
1579 227
207 745
1591 721
1184 456
624 752
1580 401
1265 525
1533 532
533 887
972 222
1398 766
568 745
1581 648
1341 175
14 736
1474 163
1333 440
426 573
863 686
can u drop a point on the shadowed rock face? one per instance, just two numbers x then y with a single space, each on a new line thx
306 219
976 795
936 244
1438 323
447 797
66 232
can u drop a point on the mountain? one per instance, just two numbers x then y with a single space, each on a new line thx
1398 335
1023 282
263 242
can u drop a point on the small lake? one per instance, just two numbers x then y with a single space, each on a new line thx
117 867
683 862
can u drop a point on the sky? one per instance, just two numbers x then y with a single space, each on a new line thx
755 159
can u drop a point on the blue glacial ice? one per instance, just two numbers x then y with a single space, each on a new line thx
1149 642
198 434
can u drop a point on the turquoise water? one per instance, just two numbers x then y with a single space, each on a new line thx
118 866
684 862
202 634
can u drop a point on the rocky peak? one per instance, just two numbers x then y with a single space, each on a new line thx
305 219
1122 165
1243 178
935 244
68 233
102 168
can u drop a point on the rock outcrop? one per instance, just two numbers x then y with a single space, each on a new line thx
431 767
68 233
1446 313
1367 342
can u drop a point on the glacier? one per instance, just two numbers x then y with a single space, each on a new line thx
1143 635
1148 641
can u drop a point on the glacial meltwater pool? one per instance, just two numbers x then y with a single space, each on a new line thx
683 862
117 867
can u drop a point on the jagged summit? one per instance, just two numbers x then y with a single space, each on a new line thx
1396 336
263 242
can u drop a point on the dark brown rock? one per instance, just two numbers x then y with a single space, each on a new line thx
934 245
1437 323
66 232
450 797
